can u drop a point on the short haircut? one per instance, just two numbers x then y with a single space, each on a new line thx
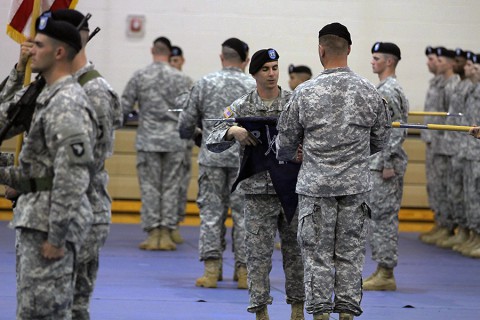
391 56
334 45
231 54
161 48
71 52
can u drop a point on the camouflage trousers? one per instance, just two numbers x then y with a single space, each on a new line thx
455 191
263 217
472 194
86 270
159 178
185 173
332 234
214 199
443 209
429 172
44 286
384 202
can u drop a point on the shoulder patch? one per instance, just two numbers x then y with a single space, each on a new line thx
227 113
78 148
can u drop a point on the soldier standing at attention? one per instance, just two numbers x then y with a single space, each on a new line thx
53 215
106 104
340 120
298 75
217 172
176 59
387 169
264 214
160 151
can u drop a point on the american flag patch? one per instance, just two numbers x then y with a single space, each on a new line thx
227 113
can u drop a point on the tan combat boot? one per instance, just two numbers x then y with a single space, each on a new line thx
460 237
321 316
345 316
472 245
442 233
242 277
210 276
429 233
152 241
382 281
262 314
176 236
466 243
166 242
297 311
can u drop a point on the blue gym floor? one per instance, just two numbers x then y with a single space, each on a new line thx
433 283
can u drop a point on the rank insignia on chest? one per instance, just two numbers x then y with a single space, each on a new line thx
78 149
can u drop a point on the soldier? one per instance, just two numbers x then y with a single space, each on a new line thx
440 158
53 214
176 59
160 151
471 246
298 75
340 120
432 103
217 172
106 103
263 212
455 149
387 169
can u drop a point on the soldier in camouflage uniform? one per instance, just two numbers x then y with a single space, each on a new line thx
471 246
263 211
387 169
455 149
53 214
217 171
439 151
160 151
177 60
109 115
340 120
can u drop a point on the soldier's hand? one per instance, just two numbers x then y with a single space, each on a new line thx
299 156
10 193
475 131
49 251
242 135
388 173
25 48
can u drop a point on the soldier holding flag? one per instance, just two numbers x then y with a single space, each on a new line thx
264 214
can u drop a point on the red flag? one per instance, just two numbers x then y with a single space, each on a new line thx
20 16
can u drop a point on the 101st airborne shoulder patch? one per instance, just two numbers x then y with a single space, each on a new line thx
78 149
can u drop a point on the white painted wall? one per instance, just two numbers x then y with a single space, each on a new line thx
289 26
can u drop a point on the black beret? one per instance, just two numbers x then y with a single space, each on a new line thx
430 50
476 58
460 53
337 29
299 69
387 47
469 55
238 45
59 30
165 41
261 57
442 52
72 16
176 51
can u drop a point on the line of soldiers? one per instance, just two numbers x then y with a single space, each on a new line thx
452 158
63 209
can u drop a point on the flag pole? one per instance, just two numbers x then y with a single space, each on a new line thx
434 113
445 127
28 72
